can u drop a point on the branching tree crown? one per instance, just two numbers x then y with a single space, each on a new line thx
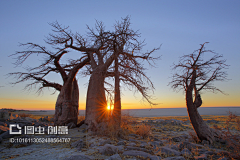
62 41
207 71
124 43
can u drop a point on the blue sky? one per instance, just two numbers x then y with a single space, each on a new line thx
180 26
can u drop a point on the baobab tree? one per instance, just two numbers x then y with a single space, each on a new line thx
122 47
63 41
195 74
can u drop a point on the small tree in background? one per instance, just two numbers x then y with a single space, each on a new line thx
195 74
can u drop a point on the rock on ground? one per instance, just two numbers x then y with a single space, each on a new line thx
4 115
78 157
114 157
189 145
136 153
108 149
78 144
142 154
174 158
168 151
201 157
186 152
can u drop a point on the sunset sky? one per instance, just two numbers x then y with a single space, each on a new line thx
179 26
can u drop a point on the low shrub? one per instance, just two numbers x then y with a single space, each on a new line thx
143 130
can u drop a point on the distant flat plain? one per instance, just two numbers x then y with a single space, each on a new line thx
158 112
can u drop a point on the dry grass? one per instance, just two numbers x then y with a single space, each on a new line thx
229 126
233 139
41 116
233 122
143 130
23 115
110 129
128 126
80 119
193 136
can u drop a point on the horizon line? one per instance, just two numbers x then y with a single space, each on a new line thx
134 108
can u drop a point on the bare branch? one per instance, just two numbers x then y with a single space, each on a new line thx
65 39
195 72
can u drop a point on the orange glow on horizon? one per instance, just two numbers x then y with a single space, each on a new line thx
31 104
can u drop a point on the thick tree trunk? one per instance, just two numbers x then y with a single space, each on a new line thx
96 105
203 131
117 98
66 108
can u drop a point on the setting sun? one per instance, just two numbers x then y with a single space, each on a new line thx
110 107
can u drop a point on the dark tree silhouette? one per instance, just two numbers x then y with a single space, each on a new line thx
121 46
128 67
63 41
196 74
